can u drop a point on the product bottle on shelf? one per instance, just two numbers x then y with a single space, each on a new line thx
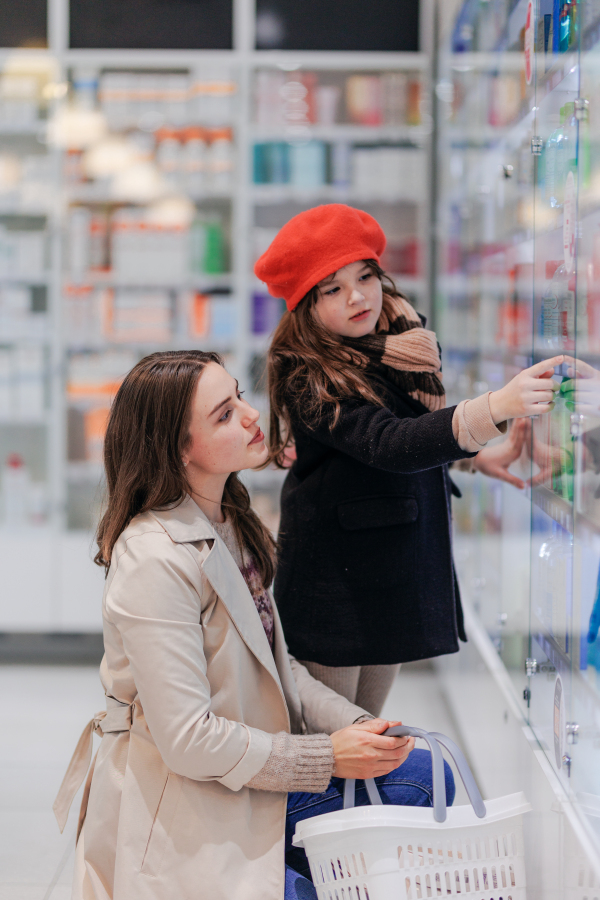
364 99
556 10
573 24
308 164
562 479
327 97
214 250
564 29
220 160
194 161
15 491
394 87
590 651
413 105
84 83
168 153
557 326
268 97
552 166
341 164
278 162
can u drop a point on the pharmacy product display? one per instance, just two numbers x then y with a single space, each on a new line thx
518 276
335 134
322 135
137 190
147 259
27 217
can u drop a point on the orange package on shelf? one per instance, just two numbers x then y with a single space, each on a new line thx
95 422
199 316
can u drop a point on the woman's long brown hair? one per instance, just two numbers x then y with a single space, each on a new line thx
309 369
147 433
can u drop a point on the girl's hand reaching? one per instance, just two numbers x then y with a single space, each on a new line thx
530 393
361 751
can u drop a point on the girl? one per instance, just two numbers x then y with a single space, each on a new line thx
209 722
365 578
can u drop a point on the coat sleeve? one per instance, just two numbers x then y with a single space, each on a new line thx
374 436
323 709
155 604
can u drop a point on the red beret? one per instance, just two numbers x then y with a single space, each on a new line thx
317 243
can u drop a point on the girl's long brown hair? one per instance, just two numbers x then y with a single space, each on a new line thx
147 432
309 368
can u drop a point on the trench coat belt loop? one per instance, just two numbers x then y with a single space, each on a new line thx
116 718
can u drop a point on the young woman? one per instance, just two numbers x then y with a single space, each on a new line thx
209 722
365 578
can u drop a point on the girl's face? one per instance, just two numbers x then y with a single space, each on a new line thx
349 301
224 432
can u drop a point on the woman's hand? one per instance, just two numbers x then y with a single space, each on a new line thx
495 461
530 393
361 751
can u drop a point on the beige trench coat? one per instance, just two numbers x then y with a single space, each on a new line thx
194 694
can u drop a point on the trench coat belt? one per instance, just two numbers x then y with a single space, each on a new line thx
117 717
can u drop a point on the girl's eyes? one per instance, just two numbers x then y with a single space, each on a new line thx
335 290
228 412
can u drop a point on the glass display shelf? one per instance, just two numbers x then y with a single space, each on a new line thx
519 219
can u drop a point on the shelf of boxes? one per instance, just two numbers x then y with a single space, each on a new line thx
26 332
355 135
357 132
130 222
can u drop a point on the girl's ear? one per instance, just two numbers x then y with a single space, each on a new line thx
184 460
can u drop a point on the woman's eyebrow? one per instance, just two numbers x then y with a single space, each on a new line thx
223 402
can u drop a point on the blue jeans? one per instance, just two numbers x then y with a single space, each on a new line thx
408 785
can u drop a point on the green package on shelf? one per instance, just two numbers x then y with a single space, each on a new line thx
567 390
562 481
213 249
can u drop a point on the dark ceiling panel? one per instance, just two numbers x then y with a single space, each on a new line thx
151 24
23 23
388 25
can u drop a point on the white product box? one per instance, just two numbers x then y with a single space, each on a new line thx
28 371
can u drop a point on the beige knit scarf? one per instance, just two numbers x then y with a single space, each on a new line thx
404 352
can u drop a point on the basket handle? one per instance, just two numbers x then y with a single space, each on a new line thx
433 739
464 771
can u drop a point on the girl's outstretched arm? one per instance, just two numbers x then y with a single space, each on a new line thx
377 437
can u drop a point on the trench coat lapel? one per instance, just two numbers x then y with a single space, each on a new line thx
187 524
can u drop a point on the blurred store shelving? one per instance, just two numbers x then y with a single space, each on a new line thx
137 188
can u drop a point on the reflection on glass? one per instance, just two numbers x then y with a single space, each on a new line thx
519 278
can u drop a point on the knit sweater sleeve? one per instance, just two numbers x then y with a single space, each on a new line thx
298 762
473 426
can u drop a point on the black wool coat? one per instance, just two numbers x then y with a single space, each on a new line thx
365 573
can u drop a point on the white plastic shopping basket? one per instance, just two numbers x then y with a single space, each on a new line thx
382 852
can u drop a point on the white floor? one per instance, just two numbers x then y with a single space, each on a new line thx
43 710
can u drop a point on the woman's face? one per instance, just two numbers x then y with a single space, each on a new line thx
349 301
224 432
